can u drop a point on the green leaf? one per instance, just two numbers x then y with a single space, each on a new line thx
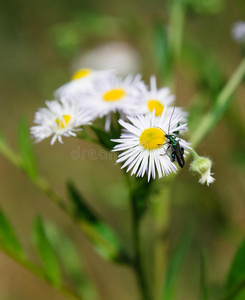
26 149
70 259
81 210
235 284
175 264
46 253
99 233
162 56
8 238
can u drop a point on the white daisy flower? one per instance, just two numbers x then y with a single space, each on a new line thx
144 144
59 119
81 81
238 32
158 99
115 94
155 99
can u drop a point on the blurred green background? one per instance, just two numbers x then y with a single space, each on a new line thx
41 44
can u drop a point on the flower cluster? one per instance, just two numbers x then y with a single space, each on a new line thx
149 143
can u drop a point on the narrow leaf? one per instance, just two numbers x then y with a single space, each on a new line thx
235 284
8 237
46 253
162 55
26 149
100 234
69 257
81 210
175 264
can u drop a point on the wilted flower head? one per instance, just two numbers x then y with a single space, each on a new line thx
202 167
59 119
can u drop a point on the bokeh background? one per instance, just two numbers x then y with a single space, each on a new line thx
41 45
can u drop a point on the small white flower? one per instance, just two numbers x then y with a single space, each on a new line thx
144 144
202 166
59 119
158 99
81 81
114 94
238 32
155 98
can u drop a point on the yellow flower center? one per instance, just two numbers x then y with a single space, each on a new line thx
63 122
152 138
114 95
81 73
155 104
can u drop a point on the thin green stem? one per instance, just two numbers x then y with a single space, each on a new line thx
137 253
221 104
177 19
9 154
161 210
176 24
137 258
194 154
38 273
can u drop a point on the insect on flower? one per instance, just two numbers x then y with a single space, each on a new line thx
142 143
177 151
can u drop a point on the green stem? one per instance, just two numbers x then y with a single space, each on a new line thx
161 210
221 104
137 258
9 154
194 154
137 254
176 24
38 273
177 20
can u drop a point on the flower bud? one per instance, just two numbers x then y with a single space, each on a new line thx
202 166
